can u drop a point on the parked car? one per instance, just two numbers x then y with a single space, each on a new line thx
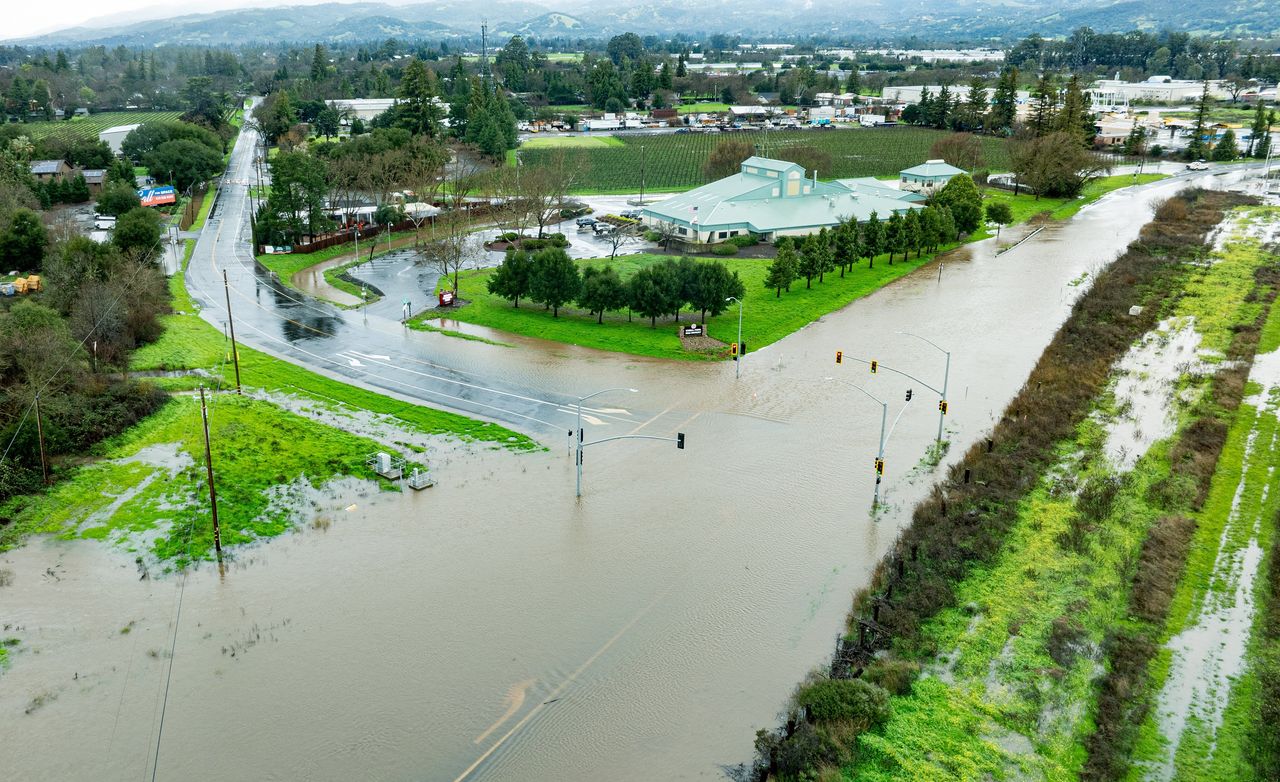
1198 165
586 222
104 222
630 214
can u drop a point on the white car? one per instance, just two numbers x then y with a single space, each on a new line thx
104 222
1198 165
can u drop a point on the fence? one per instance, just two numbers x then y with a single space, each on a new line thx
192 208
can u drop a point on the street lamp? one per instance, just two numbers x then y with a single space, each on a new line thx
582 399
946 373
737 359
884 417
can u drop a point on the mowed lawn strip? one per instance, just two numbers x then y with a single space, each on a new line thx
766 317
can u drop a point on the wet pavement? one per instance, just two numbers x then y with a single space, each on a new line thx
494 627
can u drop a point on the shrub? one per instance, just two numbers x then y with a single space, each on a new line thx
1160 565
743 240
509 236
893 675
725 249
855 700
558 240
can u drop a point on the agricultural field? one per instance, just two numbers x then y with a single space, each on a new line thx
674 161
91 126
572 142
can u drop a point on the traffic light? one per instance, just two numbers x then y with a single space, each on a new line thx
839 356
875 366
733 351
942 405
742 348
680 440
879 466
908 395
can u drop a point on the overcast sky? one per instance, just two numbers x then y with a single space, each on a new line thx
22 18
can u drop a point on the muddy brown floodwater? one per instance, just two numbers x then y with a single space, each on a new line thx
494 628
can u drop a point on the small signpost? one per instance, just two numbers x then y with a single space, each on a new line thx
693 330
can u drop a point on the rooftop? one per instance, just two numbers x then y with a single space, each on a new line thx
933 168
46 166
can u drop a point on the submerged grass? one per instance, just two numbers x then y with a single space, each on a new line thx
149 493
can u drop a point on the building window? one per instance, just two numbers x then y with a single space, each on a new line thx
684 231
724 234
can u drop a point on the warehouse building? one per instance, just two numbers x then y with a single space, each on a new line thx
773 198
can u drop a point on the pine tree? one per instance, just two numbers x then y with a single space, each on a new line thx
319 64
1074 117
1044 102
1198 148
1257 131
1225 149
782 272
872 239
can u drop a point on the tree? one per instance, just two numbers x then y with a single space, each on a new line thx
1054 165
1074 117
319 64
651 292
912 232
962 150
810 259
327 122
961 196
602 290
713 284
1226 149
726 158
826 254
418 111
298 189
137 235
1135 144
183 163
895 238
1000 213
1044 101
513 278
1258 131
1198 148
450 249
872 239
846 244
625 47
555 279
782 272
23 243
275 116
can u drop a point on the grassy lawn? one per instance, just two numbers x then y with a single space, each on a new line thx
210 195
766 317
1026 206
288 264
190 343
544 142
703 107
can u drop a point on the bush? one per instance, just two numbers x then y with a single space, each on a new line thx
725 249
558 240
652 236
895 676
855 700
743 240
509 236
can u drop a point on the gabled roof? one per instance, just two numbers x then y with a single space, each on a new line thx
933 168
46 166
768 164
94 175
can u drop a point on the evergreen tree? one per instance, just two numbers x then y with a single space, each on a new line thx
960 195
912 231
826 254
319 64
782 272
1225 149
602 290
975 112
810 260
513 277
872 239
1258 130
894 237
846 245
1074 116
1198 148
554 280
1044 103
418 111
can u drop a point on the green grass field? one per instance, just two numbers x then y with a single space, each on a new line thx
674 161
704 106
766 317
1027 206
91 126
571 142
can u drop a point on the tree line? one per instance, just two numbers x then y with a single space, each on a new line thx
550 278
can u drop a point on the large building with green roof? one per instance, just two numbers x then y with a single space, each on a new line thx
771 199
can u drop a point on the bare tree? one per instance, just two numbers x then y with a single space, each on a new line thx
453 245
667 233
618 236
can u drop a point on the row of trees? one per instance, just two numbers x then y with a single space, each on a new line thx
549 277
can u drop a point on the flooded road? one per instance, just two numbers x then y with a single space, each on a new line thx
495 628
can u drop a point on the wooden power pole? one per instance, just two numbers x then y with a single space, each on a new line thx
235 351
208 464
44 461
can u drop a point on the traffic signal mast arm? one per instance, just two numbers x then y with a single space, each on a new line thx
632 437
881 366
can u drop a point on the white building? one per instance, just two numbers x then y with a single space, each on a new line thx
771 199
364 109
910 94
1108 94
115 136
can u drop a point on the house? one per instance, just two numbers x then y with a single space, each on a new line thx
928 177
773 198
115 136
94 178
49 170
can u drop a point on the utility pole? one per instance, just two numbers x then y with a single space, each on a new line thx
44 462
208 464
235 352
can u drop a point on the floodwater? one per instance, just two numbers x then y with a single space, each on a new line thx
494 627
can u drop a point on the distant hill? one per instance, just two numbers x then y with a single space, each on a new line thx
970 20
